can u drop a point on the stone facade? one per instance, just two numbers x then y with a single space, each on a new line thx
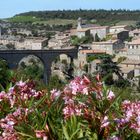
101 31
34 43
109 47
85 30
133 49
116 29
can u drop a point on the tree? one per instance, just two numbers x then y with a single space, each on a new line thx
5 74
107 68
97 39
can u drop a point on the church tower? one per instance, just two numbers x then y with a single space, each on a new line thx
0 31
79 23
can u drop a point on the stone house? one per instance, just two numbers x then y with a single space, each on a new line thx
33 43
59 41
83 32
101 31
135 33
127 72
130 66
133 49
87 29
109 47
119 28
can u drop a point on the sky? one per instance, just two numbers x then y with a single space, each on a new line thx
9 8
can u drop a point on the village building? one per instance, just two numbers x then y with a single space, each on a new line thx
130 68
109 47
91 29
119 28
135 33
133 49
59 41
33 43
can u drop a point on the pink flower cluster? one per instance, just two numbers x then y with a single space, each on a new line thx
3 96
21 91
7 124
82 87
131 114
55 94
78 86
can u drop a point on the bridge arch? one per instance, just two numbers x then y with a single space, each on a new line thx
13 57
32 66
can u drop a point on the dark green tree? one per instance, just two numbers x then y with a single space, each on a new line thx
5 74
107 68
96 39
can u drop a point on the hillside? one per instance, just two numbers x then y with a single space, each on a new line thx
103 17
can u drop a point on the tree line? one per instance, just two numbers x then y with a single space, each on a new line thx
121 14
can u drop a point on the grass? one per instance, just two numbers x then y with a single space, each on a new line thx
127 22
36 20
23 19
57 22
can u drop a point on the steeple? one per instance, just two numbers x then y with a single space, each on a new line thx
0 31
79 23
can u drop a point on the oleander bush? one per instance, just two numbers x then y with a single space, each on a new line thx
83 110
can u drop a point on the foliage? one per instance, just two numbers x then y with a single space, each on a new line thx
121 59
77 41
102 16
32 72
27 19
108 37
5 74
90 58
55 82
138 24
97 39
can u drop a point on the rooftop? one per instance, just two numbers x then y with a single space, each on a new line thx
131 62
119 26
135 31
106 42
126 69
92 51
83 29
135 42
89 25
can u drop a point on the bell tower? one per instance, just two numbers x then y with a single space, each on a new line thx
0 31
79 23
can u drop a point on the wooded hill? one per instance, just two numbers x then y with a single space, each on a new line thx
86 14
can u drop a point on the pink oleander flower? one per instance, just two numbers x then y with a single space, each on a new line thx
79 85
21 84
105 122
69 111
3 96
55 94
114 138
41 134
110 95
131 113
21 91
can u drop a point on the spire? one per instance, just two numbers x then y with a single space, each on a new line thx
0 31
79 23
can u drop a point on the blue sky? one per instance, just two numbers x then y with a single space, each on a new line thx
9 8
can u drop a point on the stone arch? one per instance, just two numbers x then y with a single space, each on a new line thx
33 62
61 66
